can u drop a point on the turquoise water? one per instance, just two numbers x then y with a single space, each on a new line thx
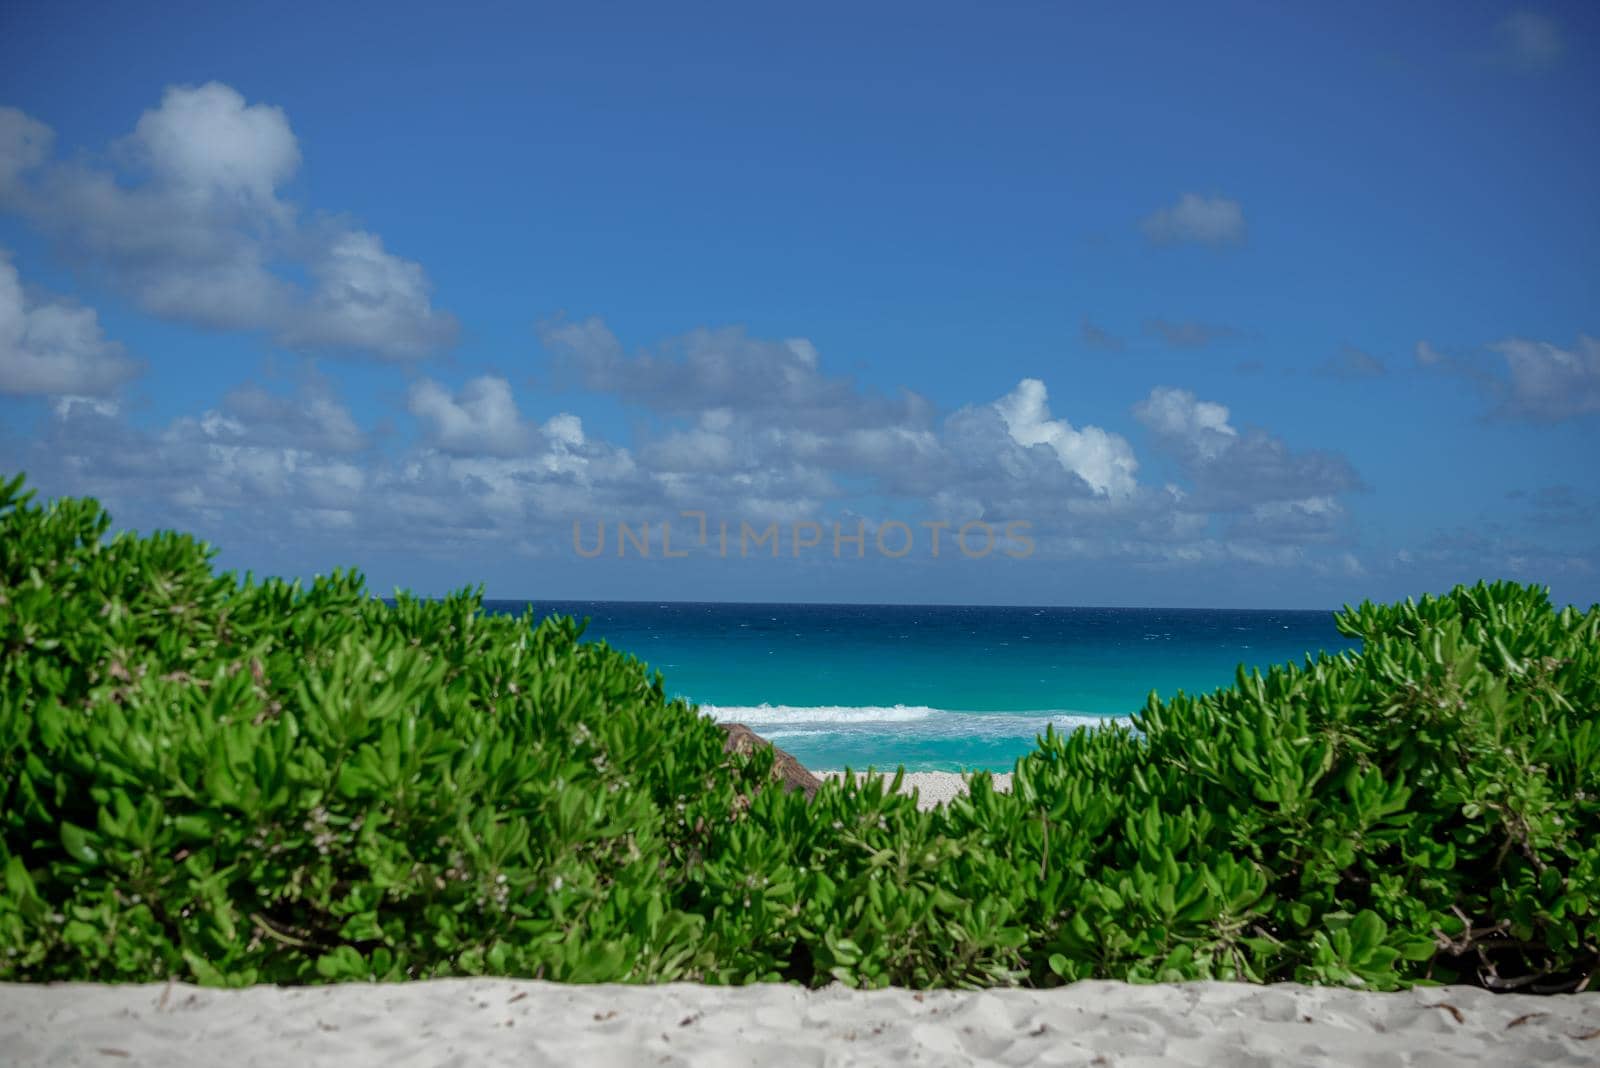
935 688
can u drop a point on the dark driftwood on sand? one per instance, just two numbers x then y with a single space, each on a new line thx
785 768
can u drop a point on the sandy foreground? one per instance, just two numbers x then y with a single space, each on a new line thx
524 1022
933 787
471 1022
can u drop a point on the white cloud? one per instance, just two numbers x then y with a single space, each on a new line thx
779 382
208 142
194 227
482 420
1298 521
312 418
367 299
1550 383
479 475
1177 414
1279 490
697 449
24 144
741 422
803 350
67 404
748 425
878 448
1103 460
53 347
1314 507
565 430
1531 380
258 468
1194 218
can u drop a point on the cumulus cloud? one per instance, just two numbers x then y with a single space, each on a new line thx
367 299
66 404
237 469
1352 363
311 418
208 143
1298 520
1190 335
1525 379
1442 559
780 381
1104 461
1250 471
1530 40
1551 384
482 419
53 347
986 465
1196 219
260 467
1200 428
753 426
476 471
699 449
24 144
189 220
742 412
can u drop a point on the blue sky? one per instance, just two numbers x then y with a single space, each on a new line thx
1234 306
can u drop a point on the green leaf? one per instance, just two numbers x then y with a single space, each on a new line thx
79 844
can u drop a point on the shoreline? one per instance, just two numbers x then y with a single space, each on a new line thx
933 788
513 1021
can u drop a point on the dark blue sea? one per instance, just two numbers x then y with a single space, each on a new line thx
935 688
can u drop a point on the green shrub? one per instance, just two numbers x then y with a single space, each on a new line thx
264 783
1427 809
237 782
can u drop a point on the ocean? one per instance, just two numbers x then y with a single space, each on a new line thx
935 688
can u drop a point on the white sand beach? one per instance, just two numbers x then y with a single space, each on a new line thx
523 1022
933 787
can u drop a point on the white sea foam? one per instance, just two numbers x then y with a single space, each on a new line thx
750 715
792 721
